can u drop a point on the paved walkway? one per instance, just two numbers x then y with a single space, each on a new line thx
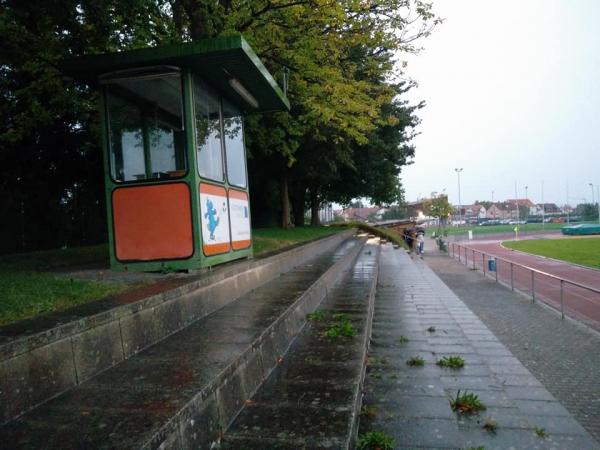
411 403
563 355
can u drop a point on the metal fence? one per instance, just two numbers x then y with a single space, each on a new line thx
576 299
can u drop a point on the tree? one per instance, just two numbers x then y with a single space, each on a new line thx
439 207
339 55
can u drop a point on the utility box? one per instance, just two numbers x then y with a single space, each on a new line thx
491 265
176 182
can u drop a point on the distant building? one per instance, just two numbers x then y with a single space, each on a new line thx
550 208
362 214
469 213
502 211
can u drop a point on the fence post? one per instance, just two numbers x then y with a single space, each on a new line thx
466 257
497 265
512 279
483 263
533 286
459 254
562 304
473 259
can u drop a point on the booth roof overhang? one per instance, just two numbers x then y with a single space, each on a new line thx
228 63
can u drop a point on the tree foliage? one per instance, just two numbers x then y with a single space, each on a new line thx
438 206
347 134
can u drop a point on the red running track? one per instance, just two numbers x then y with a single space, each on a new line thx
580 303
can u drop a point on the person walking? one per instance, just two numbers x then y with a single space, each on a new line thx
420 244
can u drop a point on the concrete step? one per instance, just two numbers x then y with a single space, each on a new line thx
42 358
312 399
183 391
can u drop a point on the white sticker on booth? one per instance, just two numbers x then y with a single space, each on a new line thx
239 212
214 218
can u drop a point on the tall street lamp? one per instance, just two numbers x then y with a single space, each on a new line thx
458 171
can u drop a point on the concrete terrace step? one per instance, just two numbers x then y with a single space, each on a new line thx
181 392
411 403
42 358
312 399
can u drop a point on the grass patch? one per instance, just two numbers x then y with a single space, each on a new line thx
375 440
584 251
528 227
454 362
267 240
341 329
415 361
403 340
316 316
29 288
540 432
466 403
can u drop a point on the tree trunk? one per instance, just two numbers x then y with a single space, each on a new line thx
314 208
285 201
297 198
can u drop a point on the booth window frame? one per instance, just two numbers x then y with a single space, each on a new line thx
149 72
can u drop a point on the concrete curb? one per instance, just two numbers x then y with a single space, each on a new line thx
39 367
352 438
200 423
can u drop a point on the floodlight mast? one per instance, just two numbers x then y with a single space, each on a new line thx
458 171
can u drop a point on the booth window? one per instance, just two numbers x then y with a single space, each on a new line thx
145 116
208 131
235 156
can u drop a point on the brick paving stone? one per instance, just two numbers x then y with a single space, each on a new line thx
563 355
411 403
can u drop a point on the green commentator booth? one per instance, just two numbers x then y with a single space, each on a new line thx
177 191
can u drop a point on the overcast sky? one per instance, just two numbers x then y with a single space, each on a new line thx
513 95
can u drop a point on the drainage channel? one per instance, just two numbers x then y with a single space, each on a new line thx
312 399
181 392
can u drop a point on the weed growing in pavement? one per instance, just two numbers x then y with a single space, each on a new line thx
341 329
540 432
375 440
466 403
431 329
415 361
403 339
340 316
316 316
490 425
368 411
481 447
454 362
379 360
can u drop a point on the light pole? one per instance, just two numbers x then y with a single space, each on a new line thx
593 200
458 171
526 202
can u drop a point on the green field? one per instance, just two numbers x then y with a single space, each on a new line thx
525 228
30 285
266 240
584 251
